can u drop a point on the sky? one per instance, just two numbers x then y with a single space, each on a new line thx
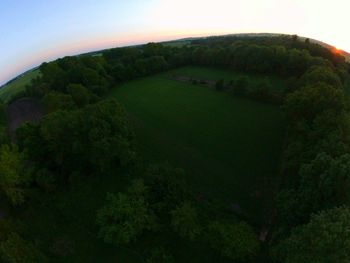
34 31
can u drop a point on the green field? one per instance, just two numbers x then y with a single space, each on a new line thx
230 147
17 85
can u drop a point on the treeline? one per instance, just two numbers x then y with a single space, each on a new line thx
287 41
313 213
283 56
259 90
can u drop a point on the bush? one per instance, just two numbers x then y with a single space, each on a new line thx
236 241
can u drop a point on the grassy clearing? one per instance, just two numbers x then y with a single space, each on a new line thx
229 146
17 85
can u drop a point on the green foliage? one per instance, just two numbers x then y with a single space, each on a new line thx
322 74
326 238
54 101
4 138
126 216
160 255
298 61
46 180
316 162
11 180
185 221
94 140
240 86
79 70
167 187
236 241
17 250
329 178
79 94
311 100
324 183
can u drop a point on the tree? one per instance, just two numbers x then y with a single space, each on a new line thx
298 62
322 74
95 139
240 86
167 187
326 238
309 101
54 101
126 216
324 183
79 94
17 250
46 180
160 255
185 221
236 241
54 75
11 181
262 90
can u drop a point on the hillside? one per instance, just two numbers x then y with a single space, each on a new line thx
17 85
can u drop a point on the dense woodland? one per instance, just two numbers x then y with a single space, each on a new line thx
85 135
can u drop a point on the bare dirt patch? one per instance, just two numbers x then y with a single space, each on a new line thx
21 111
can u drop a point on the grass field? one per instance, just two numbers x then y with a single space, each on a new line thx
229 146
17 85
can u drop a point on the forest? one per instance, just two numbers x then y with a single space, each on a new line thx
84 148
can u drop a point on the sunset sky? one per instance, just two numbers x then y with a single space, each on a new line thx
34 31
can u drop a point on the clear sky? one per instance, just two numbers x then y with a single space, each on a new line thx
34 31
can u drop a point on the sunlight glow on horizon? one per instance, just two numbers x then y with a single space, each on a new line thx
49 30
84 46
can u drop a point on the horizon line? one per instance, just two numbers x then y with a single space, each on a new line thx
181 38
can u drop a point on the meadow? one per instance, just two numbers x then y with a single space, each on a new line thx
18 85
230 147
